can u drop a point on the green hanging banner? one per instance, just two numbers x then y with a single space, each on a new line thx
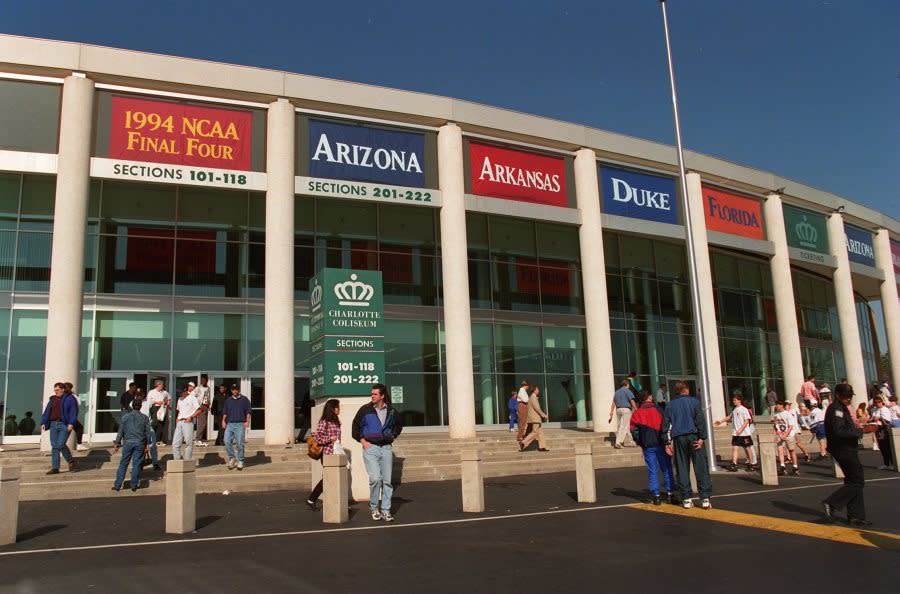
805 230
346 332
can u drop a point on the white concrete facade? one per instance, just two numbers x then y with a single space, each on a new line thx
452 119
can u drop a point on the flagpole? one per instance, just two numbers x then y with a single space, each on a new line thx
692 264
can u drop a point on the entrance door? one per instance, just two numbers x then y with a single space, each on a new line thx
104 402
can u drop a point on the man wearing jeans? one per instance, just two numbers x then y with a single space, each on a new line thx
684 423
134 431
59 418
235 421
376 426
622 405
646 423
186 410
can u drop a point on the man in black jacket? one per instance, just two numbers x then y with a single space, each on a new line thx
843 434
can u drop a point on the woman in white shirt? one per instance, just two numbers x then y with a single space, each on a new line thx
884 417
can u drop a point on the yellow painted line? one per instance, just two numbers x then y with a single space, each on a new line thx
832 532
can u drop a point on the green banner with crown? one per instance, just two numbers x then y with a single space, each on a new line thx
805 230
346 332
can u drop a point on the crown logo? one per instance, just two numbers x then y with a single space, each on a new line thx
354 293
807 234
315 297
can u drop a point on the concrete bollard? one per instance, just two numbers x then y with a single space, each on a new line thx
335 489
181 497
472 481
768 457
894 434
9 503
585 479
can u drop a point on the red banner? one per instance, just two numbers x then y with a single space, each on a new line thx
729 213
555 282
164 132
504 173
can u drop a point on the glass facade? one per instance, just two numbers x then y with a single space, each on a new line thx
867 321
748 341
820 334
649 310
29 120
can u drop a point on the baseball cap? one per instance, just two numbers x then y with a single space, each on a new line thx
192 384
235 387
843 390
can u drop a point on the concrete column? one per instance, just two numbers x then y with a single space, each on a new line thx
455 281
890 303
768 455
785 307
335 490
9 503
593 283
181 497
472 481
710 334
585 479
279 301
69 233
846 308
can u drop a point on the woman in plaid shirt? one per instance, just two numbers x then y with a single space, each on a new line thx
328 432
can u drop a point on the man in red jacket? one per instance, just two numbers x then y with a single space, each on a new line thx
646 423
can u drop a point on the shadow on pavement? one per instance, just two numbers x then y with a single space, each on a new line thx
207 520
23 536
799 509
639 496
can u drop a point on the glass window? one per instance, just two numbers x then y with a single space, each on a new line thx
208 268
558 243
302 350
203 208
33 262
9 200
407 229
38 199
611 251
304 216
133 340
489 408
131 264
564 350
340 223
561 289
512 237
29 340
636 253
23 395
567 398
408 278
142 206
480 284
411 346
482 348
255 344
304 269
29 120
207 341
671 261
518 350
477 235
516 286
7 259
725 271
421 394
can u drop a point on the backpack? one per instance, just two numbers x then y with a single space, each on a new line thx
314 449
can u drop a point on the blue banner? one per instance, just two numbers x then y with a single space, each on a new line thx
860 246
638 195
340 151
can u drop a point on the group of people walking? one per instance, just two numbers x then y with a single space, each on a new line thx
525 412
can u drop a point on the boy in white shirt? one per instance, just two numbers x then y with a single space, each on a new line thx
741 433
786 430
815 422
795 412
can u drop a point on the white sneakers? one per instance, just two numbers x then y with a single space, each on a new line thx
376 515
231 463
201 444
687 504
240 465
704 504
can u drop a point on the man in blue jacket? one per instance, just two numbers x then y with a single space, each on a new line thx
683 421
59 418
134 432
375 426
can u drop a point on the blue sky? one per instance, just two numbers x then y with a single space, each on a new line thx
806 89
